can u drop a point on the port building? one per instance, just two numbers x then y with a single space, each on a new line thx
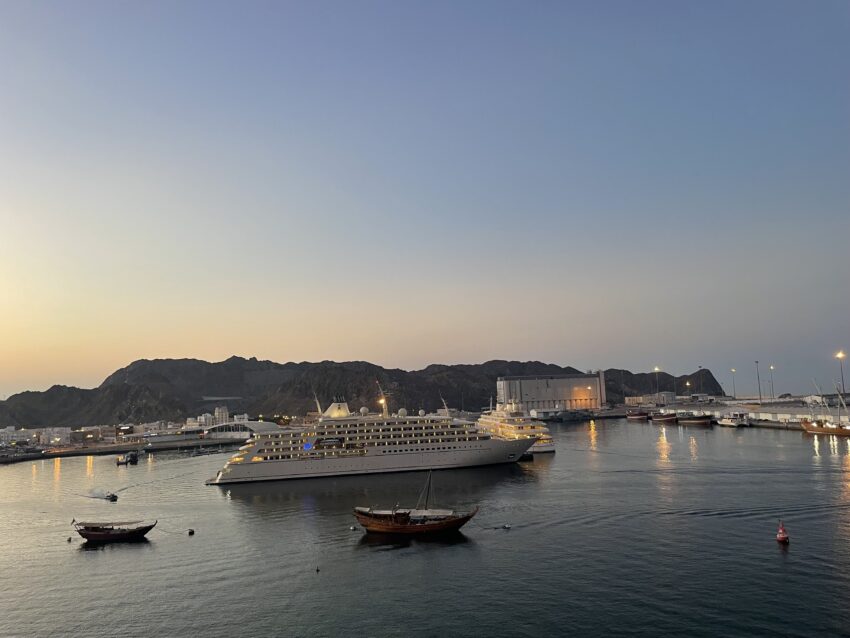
547 395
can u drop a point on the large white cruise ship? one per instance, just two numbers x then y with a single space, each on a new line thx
511 422
341 442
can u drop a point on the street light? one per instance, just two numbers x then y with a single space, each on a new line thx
657 389
734 394
772 393
840 356
758 380
688 385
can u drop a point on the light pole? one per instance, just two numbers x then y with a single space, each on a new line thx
688 387
734 394
657 389
772 393
758 380
700 379
840 356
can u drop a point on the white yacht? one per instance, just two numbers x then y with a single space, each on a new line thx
341 442
511 422
734 419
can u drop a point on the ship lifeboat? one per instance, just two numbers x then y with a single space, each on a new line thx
781 535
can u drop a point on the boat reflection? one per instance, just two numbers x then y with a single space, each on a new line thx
539 467
86 546
340 493
397 541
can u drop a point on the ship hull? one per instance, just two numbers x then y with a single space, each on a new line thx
811 428
704 421
664 418
122 536
637 417
542 448
386 525
731 423
493 453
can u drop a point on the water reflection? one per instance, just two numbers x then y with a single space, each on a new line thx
57 470
540 466
593 435
86 546
395 541
339 494
89 466
692 446
663 446
816 444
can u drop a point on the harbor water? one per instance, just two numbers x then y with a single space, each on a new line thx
629 529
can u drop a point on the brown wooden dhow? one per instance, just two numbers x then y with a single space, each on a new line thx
824 426
424 520
112 532
690 418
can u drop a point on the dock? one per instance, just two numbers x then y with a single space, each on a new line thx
119 448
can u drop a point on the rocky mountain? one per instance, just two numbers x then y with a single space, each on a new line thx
148 390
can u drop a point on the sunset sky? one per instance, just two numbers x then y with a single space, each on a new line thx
596 184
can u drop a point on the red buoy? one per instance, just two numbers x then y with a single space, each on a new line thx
782 535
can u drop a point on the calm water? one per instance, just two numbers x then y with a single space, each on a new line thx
630 529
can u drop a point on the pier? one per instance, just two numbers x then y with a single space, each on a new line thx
119 448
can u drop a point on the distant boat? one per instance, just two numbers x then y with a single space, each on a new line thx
824 425
781 535
509 421
111 497
692 418
413 521
130 458
637 415
113 532
663 417
734 420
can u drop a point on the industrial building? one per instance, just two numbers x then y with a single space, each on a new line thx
545 396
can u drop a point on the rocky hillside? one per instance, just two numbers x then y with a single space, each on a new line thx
149 390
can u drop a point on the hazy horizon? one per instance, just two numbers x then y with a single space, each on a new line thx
608 184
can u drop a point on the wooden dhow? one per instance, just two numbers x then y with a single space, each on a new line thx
692 418
413 521
113 532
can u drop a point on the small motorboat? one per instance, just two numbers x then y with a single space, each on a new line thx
130 458
781 535
111 497
413 521
116 532
734 420
637 415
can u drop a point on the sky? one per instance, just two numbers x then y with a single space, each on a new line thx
595 184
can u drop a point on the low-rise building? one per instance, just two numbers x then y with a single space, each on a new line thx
548 395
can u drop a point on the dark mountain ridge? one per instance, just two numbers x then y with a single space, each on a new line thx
149 390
